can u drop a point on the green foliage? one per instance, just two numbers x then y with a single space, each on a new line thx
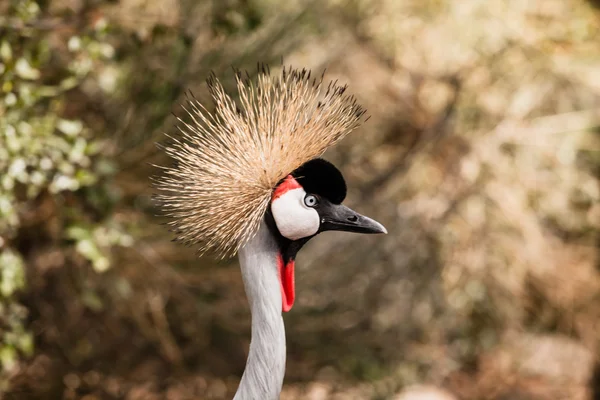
42 152
14 337
93 243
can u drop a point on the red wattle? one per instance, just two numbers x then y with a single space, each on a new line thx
287 283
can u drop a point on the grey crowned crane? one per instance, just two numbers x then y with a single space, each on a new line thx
247 180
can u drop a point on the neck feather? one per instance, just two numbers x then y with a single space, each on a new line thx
265 367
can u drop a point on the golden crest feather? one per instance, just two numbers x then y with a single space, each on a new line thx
228 162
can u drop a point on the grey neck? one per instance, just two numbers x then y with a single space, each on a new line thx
265 367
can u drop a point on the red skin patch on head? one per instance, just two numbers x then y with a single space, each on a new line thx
287 283
288 184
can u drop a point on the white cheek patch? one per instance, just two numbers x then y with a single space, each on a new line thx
293 218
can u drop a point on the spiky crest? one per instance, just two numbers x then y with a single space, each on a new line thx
228 162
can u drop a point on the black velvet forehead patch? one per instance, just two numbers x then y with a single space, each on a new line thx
322 178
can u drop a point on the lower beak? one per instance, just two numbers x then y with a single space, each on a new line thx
341 218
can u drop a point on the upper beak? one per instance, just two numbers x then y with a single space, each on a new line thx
338 217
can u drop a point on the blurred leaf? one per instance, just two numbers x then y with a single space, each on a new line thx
12 276
92 301
25 70
69 127
8 357
5 51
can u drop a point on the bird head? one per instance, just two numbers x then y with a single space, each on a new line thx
307 202
255 159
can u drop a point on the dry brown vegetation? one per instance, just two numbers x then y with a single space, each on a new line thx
481 157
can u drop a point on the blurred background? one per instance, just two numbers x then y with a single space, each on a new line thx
481 157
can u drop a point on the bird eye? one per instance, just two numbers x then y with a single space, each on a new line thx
310 200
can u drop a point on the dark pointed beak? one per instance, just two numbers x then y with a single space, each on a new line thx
337 217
